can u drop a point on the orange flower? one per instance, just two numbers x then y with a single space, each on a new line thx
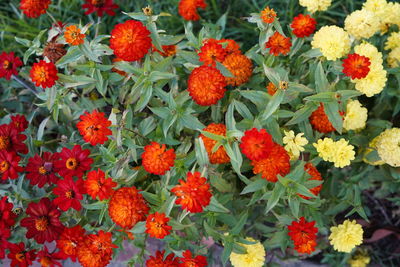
240 66
315 175
303 234
206 85
303 26
95 250
157 225
69 239
356 66
211 52
194 194
159 260
94 127
188 9
156 159
97 185
319 120
271 88
73 35
278 162
34 8
130 40
256 145
127 207
268 15
278 44
44 74
168 50
230 46
219 156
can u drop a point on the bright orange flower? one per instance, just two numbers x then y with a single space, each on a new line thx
206 85
189 261
130 40
315 175
212 52
230 46
219 156
95 250
303 234
94 127
194 194
188 8
44 74
303 26
240 66
127 207
255 144
319 120
271 88
277 162
356 66
157 225
268 15
73 35
156 159
278 44
34 8
69 239
97 185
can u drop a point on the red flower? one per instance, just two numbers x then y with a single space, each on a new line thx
34 8
303 234
230 46
47 259
19 256
356 66
73 162
41 171
11 140
7 216
194 194
69 240
320 121
9 165
130 40
268 15
156 159
5 233
8 65
303 26
256 145
188 261
69 194
160 261
97 185
168 50
43 223
188 9
212 52
19 122
100 7
219 156
315 175
278 44
94 127
157 225
44 74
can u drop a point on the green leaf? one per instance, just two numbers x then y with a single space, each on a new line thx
272 75
215 206
347 94
210 231
230 118
137 15
294 205
240 224
147 92
321 82
303 114
139 228
158 75
201 153
243 110
146 126
278 191
224 71
272 105
332 111
324 97
228 246
73 54
302 190
192 122
41 128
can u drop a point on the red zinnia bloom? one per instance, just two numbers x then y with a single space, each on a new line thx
44 74
19 256
69 240
211 52
43 223
40 170
69 194
268 15
188 261
230 46
34 8
256 145
130 40
303 234
8 65
19 122
219 156
7 216
5 233
303 26
100 7
97 185
9 165
315 175
168 50
194 194
94 127
319 120
73 162
159 261
278 44
47 259
157 225
188 9
156 159
11 140
356 66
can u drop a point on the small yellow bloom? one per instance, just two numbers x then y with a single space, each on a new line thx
362 24
359 259
356 116
294 144
346 236
388 146
394 58
332 41
340 152
315 5
393 41
255 256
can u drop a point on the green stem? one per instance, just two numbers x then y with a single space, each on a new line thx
97 26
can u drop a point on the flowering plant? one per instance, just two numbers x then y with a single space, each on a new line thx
112 138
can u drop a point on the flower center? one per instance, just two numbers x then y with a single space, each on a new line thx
41 224
4 142
42 170
98 3
7 65
20 256
69 194
4 165
45 261
71 163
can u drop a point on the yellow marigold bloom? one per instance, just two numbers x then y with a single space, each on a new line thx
340 153
362 24
294 144
393 41
346 236
359 260
376 6
333 42
387 12
315 5
324 148
255 256
394 58
393 14
388 146
356 116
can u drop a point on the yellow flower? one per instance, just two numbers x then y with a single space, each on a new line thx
394 58
315 5
324 148
388 13
376 6
393 41
360 259
294 144
340 153
346 236
333 42
255 256
388 146
362 24
356 116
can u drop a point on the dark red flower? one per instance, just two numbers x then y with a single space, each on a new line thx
9 165
12 140
69 194
47 259
7 216
43 223
188 261
34 8
41 170
8 65
160 261
5 233
19 256
73 162
19 122
69 240
100 7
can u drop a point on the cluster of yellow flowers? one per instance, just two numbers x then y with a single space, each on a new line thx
332 41
388 146
362 24
338 152
294 144
346 236
315 5
388 13
254 257
356 116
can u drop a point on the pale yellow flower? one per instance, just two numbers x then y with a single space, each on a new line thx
362 24
315 5
332 41
255 256
393 41
356 116
340 153
294 144
346 236
388 146
393 58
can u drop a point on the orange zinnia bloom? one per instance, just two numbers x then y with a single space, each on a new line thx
278 44
268 15
240 66
315 175
188 9
212 52
303 26
271 88
44 74
159 260
94 127
157 225
255 144
156 159
34 8
97 185
69 239
303 234
219 156
73 35
168 50
356 66
230 46
319 120
95 250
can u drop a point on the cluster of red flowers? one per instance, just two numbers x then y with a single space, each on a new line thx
304 235
187 260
